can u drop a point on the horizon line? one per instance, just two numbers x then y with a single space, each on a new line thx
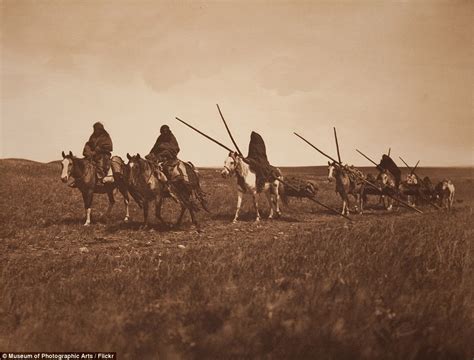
291 166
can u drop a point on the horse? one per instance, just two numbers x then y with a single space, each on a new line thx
391 177
445 193
83 171
427 188
389 188
149 179
346 184
411 188
235 165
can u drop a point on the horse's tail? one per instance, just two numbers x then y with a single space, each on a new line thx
117 165
118 169
197 190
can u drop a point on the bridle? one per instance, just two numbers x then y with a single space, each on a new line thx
229 170
139 164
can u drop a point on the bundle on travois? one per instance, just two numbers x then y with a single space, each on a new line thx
300 188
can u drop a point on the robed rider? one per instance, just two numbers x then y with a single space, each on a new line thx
99 149
166 147
258 161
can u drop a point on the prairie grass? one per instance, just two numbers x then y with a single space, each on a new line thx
310 285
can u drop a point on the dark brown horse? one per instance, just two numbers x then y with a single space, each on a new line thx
83 171
149 180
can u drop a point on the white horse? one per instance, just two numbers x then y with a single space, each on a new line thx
445 193
388 187
247 181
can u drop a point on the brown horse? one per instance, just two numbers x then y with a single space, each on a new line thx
151 182
83 171
346 184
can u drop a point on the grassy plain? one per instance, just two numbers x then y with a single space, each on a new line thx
393 285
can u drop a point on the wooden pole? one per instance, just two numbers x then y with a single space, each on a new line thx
318 202
358 176
373 162
228 131
337 146
206 136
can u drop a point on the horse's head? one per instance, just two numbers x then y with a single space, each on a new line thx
446 184
66 165
387 178
230 164
134 168
411 179
331 171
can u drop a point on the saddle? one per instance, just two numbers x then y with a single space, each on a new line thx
103 169
264 172
174 169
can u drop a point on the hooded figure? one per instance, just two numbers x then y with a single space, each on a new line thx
388 164
258 161
257 149
99 148
166 146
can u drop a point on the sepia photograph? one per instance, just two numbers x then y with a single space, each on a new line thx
236 179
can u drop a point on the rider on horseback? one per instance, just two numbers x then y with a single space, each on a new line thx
98 149
165 151
182 177
258 161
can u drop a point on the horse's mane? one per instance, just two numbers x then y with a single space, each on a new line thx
242 169
79 163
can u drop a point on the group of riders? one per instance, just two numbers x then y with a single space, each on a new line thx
164 156
99 147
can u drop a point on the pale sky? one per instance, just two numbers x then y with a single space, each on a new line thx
385 73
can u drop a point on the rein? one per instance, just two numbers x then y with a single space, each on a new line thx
152 172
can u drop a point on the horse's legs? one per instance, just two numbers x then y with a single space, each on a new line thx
145 213
193 219
239 203
345 203
255 204
270 202
357 202
87 197
180 218
345 207
450 200
110 195
126 200
158 205
277 198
